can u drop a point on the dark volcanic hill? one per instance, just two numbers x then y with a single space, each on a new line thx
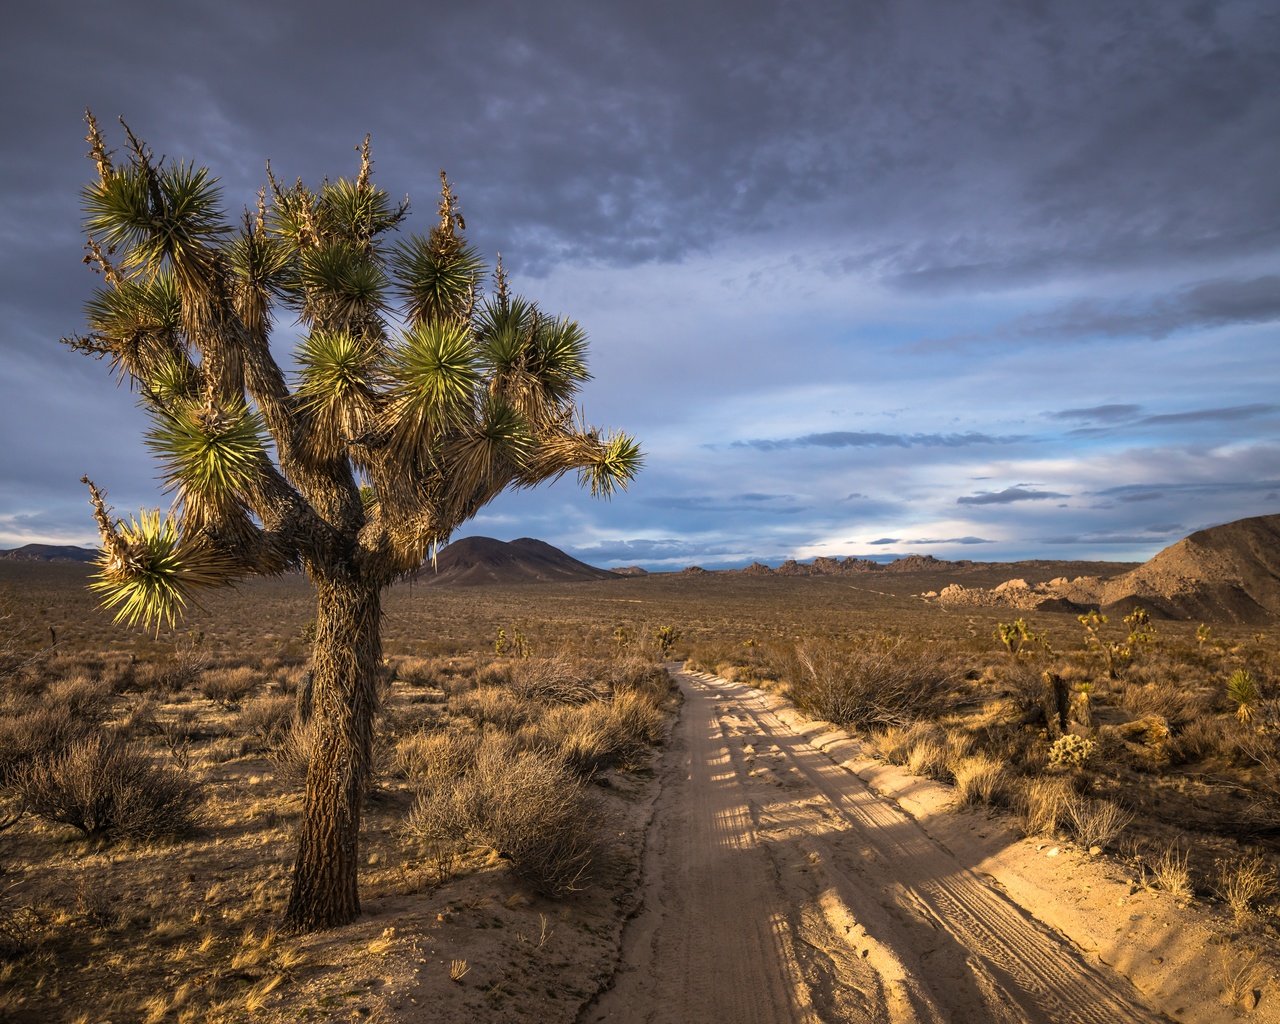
474 561
1229 572
50 553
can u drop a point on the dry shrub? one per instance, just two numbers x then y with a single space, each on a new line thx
421 672
597 735
1095 822
1175 702
524 805
138 717
105 787
229 686
549 681
1245 882
292 753
431 758
876 683
1202 738
1041 805
928 758
266 719
83 696
496 673
493 705
1172 873
979 779
896 742
639 675
37 734
20 927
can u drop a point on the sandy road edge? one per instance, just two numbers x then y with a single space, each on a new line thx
1171 954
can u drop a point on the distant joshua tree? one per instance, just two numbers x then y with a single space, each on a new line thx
414 404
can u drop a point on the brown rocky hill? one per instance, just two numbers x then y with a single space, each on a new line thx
1229 572
475 561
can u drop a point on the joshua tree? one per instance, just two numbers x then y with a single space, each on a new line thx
413 405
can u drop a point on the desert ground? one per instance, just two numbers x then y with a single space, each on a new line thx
678 797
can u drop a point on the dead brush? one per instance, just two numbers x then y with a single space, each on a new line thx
105 787
37 733
895 743
229 687
1041 805
550 681
266 719
526 806
875 683
979 779
1094 822
1171 873
430 757
497 706
1245 883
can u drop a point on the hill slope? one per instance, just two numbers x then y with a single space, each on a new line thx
474 561
1229 572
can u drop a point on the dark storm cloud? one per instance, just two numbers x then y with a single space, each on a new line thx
1008 496
1205 305
863 439
925 145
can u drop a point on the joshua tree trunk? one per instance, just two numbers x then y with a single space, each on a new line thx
346 662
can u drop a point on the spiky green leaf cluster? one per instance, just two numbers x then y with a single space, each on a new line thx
210 454
614 466
337 387
434 281
155 215
435 377
154 570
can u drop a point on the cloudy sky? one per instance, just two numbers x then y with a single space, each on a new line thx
978 279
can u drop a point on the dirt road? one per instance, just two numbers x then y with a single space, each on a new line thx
779 888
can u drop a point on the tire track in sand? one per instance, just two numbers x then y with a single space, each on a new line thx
779 888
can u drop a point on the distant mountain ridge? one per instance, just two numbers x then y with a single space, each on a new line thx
475 561
49 553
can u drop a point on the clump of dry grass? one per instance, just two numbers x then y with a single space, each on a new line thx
37 733
266 719
1095 822
1041 805
980 779
229 686
1171 872
1244 883
497 706
431 757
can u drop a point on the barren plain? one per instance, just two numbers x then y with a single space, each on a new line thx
851 803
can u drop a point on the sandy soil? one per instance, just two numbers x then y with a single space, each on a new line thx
788 878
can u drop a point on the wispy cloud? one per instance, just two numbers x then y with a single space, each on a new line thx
866 439
1008 496
1105 413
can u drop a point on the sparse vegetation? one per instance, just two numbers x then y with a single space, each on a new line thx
1169 749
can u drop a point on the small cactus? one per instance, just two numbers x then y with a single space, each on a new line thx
1071 751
